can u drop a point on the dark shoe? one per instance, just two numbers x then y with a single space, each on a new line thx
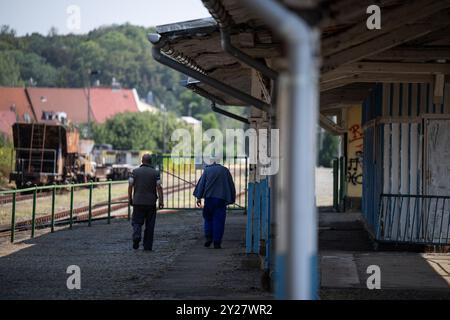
136 244
217 246
208 243
148 249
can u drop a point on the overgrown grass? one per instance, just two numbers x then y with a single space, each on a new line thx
6 149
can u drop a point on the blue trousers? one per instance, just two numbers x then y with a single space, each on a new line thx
214 214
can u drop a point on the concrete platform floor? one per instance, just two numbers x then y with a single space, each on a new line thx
346 252
178 268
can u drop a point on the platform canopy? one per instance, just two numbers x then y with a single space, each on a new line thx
413 45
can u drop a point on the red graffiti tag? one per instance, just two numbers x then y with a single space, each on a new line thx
356 133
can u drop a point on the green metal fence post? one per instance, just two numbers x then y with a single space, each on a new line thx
342 184
246 186
13 217
33 212
109 201
336 184
53 208
71 207
91 186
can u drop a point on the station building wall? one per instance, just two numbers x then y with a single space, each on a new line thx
397 119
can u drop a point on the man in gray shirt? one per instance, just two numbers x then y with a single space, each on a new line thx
145 182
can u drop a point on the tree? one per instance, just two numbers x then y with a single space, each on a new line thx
9 70
118 51
209 121
328 150
137 131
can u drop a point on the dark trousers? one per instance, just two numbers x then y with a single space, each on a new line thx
141 215
214 214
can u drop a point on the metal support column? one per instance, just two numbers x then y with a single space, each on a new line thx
300 218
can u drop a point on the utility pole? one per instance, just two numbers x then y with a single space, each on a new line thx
163 109
89 109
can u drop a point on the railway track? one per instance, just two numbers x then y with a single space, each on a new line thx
22 197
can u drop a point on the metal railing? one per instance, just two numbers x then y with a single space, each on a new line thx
179 176
66 204
339 184
75 213
418 219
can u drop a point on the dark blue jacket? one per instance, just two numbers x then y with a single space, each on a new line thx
216 182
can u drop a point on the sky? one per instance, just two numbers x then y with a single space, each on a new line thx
81 16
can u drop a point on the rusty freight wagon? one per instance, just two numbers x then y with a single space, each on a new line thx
46 153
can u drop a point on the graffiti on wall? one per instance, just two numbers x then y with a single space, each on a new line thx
355 137
354 168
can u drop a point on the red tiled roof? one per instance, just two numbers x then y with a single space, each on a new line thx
107 102
7 119
71 101
13 96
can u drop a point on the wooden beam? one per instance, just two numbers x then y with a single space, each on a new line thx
382 43
394 68
439 82
409 12
413 53
353 94
302 5
329 125
345 11
377 77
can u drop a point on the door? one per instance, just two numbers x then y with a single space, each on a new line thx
437 180
437 173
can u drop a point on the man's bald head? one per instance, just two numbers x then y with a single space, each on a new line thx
146 159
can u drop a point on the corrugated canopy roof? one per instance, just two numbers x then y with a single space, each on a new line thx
412 45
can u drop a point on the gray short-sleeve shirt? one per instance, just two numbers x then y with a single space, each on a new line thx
144 180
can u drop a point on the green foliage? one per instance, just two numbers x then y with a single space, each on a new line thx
209 121
328 150
5 159
119 51
138 131
9 70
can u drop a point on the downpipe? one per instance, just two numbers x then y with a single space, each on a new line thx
223 19
228 47
297 256
228 114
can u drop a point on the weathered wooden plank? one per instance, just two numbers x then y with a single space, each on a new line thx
423 98
409 12
394 68
414 158
396 101
405 99
414 53
395 168
386 100
375 77
387 159
447 98
414 92
380 44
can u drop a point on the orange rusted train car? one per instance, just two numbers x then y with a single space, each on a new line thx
48 152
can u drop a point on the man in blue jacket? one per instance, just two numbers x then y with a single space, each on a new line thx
216 186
